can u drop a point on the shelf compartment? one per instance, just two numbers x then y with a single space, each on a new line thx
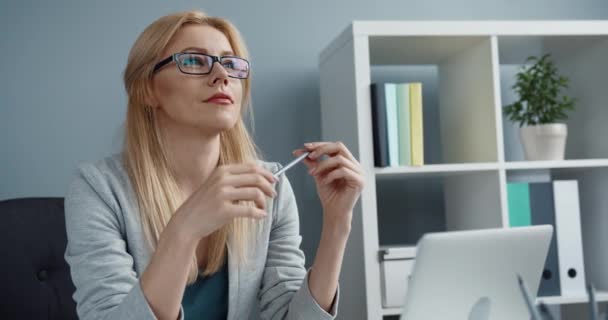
592 185
408 207
582 60
457 75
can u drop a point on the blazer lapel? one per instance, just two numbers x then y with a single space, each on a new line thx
233 287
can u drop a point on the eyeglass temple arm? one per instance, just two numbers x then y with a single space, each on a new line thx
162 64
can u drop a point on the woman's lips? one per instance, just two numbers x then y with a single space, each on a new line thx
222 101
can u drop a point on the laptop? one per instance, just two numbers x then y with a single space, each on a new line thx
473 274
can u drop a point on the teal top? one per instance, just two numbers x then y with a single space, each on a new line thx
207 298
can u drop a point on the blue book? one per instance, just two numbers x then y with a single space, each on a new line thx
543 212
392 125
379 130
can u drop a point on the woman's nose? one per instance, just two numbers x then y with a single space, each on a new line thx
219 75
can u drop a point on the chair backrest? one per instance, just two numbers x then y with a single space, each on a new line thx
35 281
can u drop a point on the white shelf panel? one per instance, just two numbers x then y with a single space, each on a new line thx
562 164
436 169
600 296
391 311
418 50
463 28
473 28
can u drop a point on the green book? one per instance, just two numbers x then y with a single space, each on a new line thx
518 195
403 121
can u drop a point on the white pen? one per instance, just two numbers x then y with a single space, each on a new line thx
291 164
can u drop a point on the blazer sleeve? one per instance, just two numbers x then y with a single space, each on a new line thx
101 268
284 293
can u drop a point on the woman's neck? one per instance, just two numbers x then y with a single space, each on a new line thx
192 154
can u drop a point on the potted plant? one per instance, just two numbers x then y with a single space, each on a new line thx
539 108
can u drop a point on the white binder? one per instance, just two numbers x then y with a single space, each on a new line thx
569 237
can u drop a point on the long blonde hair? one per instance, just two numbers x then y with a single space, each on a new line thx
155 186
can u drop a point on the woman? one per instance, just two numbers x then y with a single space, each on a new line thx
188 222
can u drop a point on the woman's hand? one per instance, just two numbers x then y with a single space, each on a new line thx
339 178
215 202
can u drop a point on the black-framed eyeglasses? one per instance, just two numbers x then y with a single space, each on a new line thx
201 63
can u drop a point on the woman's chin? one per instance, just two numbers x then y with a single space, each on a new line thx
221 124
226 115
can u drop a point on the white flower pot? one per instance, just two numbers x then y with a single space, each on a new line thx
544 142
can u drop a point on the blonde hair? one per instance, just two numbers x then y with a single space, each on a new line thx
157 191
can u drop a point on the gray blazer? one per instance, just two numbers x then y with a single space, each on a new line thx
106 252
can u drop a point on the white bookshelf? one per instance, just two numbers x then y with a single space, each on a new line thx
472 151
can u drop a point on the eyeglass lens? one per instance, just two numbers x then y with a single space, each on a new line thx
201 64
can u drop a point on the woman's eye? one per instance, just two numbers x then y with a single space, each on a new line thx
193 61
228 64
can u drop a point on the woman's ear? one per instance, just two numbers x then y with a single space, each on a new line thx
150 99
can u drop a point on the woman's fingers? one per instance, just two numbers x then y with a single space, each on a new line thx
247 182
332 163
338 155
307 161
329 148
252 180
249 167
247 211
248 194
344 173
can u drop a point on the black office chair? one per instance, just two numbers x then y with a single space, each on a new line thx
35 281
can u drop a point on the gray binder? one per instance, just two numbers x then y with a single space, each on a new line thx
543 212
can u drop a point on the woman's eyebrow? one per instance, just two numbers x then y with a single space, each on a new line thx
224 53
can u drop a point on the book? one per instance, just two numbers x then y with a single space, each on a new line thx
518 199
390 100
403 121
569 237
416 124
379 130
397 124
543 212
532 204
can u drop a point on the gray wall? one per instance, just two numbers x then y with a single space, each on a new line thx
62 100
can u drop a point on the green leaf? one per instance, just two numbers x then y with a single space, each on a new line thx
538 86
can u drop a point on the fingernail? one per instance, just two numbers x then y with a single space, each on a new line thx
308 144
313 155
